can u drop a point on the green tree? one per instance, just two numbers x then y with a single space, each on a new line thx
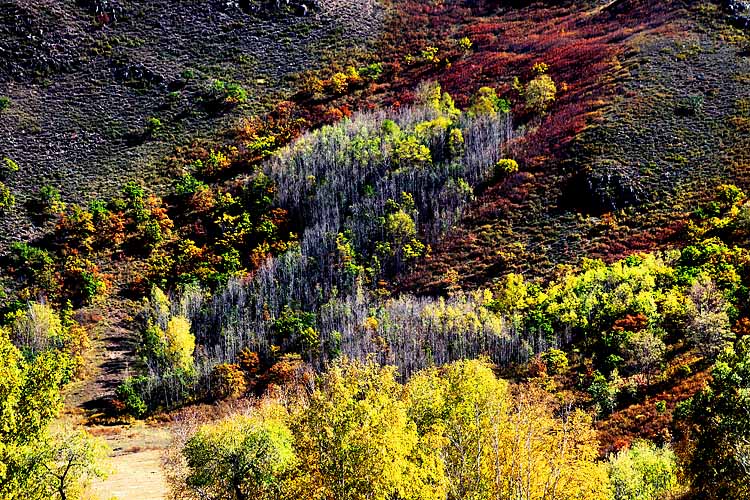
604 392
555 360
241 458
643 472
10 166
487 103
296 327
721 415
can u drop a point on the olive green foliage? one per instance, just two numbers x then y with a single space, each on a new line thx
239 228
129 395
643 472
5 103
372 71
297 328
10 166
187 184
644 351
729 194
49 201
401 239
153 125
720 463
58 278
35 267
7 199
243 458
228 92
603 392
556 361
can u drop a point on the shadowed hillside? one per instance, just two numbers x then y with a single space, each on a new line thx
83 85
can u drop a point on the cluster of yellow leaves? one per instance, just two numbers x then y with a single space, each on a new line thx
167 338
455 432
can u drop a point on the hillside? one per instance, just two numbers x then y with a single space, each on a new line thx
375 249
652 126
83 78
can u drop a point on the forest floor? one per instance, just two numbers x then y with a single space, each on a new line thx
112 356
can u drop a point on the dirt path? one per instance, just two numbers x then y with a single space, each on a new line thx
136 456
113 355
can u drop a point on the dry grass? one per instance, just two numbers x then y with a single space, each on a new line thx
136 476
136 462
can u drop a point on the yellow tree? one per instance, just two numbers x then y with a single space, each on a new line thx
180 343
29 399
468 403
354 439
65 464
37 329
500 445
541 456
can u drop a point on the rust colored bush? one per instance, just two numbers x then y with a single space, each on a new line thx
228 381
631 323
249 362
